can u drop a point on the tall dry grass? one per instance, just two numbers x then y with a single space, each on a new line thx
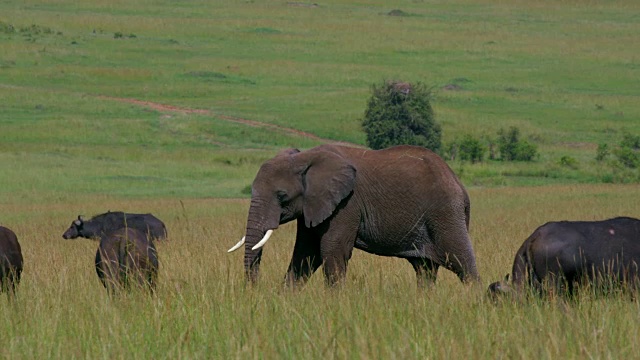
203 308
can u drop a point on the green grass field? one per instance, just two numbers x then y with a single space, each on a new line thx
171 107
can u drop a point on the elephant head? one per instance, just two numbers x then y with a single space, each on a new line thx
307 186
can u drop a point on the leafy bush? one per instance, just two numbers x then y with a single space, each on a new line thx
630 141
401 113
568 161
512 148
7 28
472 149
451 150
246 190
467 149
120 35
628 152
620 174
37 30
628 157
602 153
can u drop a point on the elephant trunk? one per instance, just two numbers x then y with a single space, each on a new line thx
253 253
259 229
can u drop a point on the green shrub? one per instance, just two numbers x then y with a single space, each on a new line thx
7 28
246 190
630 141
472 149
568 161
451 150
400 113
628 157
602 153
466 149
492 147
621 175
512 148
36 30
607 178
628 151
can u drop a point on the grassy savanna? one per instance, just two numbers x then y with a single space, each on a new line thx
203 309
564 73
75 139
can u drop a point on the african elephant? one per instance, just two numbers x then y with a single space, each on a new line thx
404 201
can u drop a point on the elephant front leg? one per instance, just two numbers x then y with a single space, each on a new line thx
336 250
306 257
426 271
335 270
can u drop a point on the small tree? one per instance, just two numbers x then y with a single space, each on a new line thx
451 150
400 113
628 157
630 141
468 148
512 148
628 152
602 152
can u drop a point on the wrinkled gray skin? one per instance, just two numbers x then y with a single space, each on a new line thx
11 261
559 256
102 224
125 258
403 201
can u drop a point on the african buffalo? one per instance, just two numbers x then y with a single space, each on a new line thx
103 224
126 257
559 256
10 260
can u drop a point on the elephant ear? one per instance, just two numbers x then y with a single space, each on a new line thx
328 179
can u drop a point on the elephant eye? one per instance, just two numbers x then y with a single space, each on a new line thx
282 196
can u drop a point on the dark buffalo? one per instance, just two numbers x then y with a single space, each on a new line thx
10 260
559 256
127 257
103 224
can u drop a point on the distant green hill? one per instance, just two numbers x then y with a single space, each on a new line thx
73 78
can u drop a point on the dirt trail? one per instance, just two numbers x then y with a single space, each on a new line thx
170 108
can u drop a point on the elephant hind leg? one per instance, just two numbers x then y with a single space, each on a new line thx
426 271
447 230
455 251
463 264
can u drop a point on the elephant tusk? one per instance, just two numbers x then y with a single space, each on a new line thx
266 237
237 246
